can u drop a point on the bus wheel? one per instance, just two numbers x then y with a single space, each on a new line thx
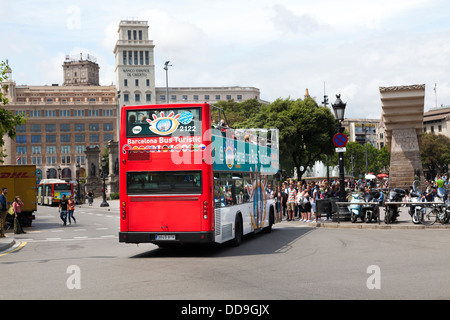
238 232
268 229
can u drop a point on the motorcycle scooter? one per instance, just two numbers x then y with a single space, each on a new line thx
393 210
355 208
416 211
372 211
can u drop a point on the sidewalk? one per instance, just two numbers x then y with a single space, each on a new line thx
404 221
113 205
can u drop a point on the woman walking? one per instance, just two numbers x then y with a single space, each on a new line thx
71 209
17 208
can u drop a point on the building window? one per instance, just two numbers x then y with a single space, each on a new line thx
185 97
107 137
93 113
173 97
51 149
50 138
35 139
79 138
130 57
239 97
135 58
136 82
141 58
107 127
206 97
137 97
228 97
36 160
125 97
21 139
65 138
93 127
80 149
65 149
80 159
217 97
148 97
36 149
21 128
50 113
125 82
64 127
35 128
129 34
147 82
21 150
79 127
51 160
140 34
162 97
146 58
195 97
93 138
124 57
65 159
134 35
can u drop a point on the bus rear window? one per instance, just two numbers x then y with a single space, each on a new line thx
176 182
62 187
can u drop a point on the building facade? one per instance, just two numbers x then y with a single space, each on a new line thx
62 122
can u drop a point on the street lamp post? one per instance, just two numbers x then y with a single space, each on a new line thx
104 202
166 67
339 110
78 183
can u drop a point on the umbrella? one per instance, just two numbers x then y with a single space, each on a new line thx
382 175
370 177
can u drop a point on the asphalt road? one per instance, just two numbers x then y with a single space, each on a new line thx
295 261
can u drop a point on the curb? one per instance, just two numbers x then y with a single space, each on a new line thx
6 244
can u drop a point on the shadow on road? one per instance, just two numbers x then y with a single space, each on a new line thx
280 240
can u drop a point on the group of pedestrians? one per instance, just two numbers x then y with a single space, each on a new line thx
15 210
66 209
298 201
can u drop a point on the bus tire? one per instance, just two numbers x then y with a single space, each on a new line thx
268 229
238 231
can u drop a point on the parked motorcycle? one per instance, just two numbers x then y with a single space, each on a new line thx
372 211
416 211
355 208
393 210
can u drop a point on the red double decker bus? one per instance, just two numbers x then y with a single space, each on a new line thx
182 181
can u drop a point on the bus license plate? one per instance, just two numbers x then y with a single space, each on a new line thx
165 237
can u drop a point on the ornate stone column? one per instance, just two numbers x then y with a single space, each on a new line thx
403 109
93 181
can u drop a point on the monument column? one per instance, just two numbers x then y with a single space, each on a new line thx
403 109
93 181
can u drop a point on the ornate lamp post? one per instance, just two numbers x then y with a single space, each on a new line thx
104 202
339 110
78 183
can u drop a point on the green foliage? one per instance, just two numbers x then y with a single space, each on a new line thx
435 153
8 120
306 131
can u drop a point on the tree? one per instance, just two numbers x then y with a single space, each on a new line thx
8 120
435 153
306 131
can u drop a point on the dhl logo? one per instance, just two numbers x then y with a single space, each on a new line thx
16 175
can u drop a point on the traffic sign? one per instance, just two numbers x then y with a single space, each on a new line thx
340 140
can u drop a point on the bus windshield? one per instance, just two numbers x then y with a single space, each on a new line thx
177 182
174 121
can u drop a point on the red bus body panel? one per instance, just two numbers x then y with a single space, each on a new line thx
144 216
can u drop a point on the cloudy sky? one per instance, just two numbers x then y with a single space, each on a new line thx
280 46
